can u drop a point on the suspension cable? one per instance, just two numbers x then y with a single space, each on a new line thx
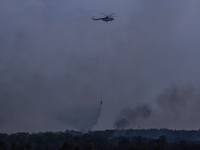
103 59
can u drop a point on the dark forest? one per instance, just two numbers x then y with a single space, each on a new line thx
151 139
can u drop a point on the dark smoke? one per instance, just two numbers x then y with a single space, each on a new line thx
128 117
177 108
176 98
176 105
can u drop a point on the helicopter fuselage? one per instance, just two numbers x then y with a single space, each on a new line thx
108 19
104 19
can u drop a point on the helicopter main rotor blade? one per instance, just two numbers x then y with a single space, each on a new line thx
103 14
111 14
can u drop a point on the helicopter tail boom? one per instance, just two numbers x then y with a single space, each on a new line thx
96 18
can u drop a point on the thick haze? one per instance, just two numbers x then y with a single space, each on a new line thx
51 58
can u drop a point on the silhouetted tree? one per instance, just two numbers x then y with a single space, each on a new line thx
13 146
28 146
77 148
3 146
67 146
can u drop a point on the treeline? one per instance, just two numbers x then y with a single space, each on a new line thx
152 139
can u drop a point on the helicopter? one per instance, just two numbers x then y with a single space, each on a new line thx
106 18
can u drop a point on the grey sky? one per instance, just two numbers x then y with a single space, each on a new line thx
51 55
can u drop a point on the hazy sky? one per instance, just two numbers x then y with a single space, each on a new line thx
51 58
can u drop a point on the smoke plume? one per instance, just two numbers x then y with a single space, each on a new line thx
129 117
177 108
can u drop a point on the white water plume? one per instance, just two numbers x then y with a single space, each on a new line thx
82 118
